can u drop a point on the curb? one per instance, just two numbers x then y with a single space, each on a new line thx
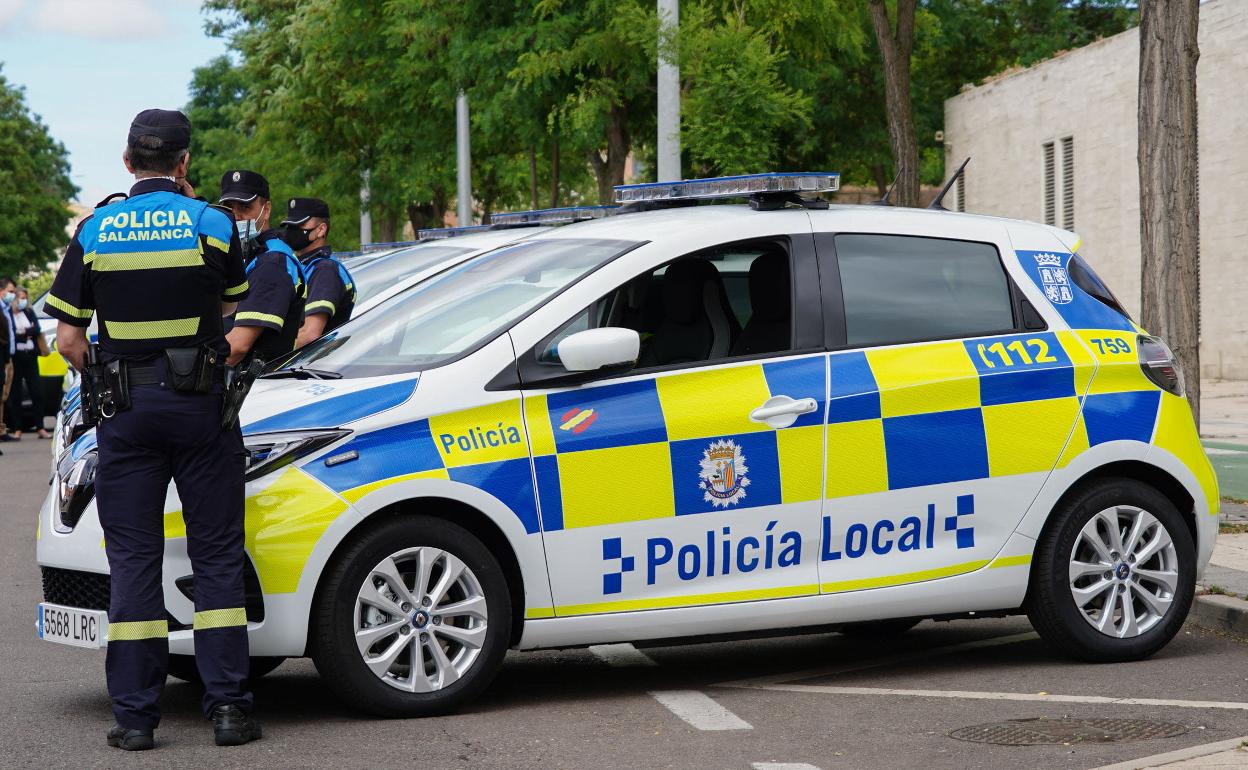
1221 613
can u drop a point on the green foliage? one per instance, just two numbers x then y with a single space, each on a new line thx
316 92
34 187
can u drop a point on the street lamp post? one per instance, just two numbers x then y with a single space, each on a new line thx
463 162
669 95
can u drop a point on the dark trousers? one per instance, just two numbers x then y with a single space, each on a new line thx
168 435
25 377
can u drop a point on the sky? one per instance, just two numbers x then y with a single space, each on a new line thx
89 66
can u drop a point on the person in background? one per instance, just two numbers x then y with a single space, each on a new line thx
8 344
26 333
331 290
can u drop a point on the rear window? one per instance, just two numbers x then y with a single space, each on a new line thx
905 289
1087 279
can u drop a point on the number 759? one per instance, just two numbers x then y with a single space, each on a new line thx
1111 345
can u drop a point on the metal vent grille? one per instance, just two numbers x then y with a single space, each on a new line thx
1050 186
71 588
1038 732
1068 183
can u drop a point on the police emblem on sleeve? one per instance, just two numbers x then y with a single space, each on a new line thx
723 473
1054 280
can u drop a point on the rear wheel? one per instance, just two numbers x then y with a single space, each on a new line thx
1114 574
412 620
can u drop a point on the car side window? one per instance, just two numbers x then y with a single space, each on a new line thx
906 289
719 303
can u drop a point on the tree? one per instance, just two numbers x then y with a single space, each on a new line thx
1169 208
35 188
896 47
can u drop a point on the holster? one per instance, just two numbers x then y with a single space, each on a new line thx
105 388
190 370
238 382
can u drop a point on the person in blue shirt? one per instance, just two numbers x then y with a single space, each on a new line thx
160 269
331 290
268 320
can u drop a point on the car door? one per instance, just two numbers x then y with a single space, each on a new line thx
946 412
696 477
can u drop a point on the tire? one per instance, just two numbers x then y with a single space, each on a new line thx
183 667
879 629
355 595
1052 605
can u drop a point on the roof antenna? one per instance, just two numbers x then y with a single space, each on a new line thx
940 196
888 193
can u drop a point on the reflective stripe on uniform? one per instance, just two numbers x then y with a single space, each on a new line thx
150 330
217 243
320 303
147 260
136 630
227 618
67 308
251 315
234 291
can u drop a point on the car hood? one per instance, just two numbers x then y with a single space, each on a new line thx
300 404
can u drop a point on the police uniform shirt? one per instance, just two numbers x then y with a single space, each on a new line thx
327 292
275 302
156 268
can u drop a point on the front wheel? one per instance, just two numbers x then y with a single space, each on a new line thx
412 620
1114 574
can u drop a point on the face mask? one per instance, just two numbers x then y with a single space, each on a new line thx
296 237
9 297
246 229
21 304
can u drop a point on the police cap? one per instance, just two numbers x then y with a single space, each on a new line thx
243 186
302 209
170 126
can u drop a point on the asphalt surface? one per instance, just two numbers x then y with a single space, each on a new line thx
581 709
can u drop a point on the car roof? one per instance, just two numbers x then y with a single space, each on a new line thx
655 225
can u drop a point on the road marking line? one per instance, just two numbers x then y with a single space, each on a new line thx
621 655
700 710
783 766
765 682
1192 752
1019 696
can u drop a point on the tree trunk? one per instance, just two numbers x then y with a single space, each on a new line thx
895 49
532 177
387 224
430 214
554 167
610 170
1169 210
881 181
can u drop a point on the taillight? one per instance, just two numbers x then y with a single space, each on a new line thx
1159 364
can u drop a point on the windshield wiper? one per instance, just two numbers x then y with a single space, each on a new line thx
302 373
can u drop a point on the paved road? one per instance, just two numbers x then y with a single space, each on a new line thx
817 701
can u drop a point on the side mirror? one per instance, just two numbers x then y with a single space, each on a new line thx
595 349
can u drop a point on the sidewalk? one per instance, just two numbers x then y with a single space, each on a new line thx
1223 605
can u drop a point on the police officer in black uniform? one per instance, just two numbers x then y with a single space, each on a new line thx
331 290
268 320
160 269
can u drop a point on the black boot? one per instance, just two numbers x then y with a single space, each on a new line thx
131 740
233 727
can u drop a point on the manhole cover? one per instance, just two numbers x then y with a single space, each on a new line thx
1035 732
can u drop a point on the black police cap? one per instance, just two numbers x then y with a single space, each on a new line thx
301 209
243 186
170 126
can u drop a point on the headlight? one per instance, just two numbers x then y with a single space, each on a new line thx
76 479
266 452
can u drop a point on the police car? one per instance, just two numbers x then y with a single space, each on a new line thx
701 420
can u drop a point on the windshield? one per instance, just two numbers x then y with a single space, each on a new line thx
375 276
458 310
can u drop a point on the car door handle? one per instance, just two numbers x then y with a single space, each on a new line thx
782 411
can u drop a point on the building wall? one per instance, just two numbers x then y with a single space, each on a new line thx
1090 95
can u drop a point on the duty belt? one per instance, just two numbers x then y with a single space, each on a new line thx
151 374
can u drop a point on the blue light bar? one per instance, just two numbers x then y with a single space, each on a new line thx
552 216
368 247
799 182
450 232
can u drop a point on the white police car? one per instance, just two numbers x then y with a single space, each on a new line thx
697 421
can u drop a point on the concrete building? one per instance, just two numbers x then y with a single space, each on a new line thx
1056 143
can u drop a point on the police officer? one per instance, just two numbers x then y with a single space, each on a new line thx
160 269
331 290
268 320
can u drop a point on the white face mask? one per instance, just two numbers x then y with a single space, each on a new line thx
8 297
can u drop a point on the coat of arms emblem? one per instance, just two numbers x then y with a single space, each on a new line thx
723 473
